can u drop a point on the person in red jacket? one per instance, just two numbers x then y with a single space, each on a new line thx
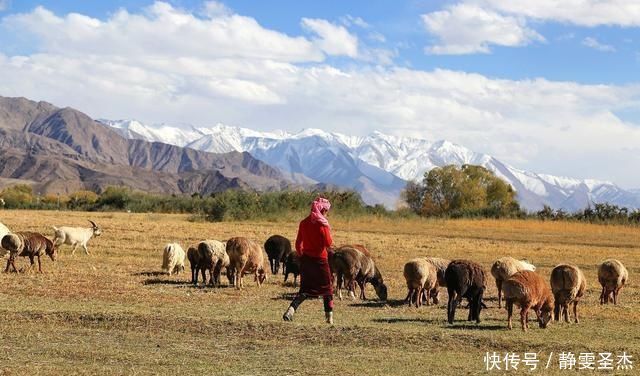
312 242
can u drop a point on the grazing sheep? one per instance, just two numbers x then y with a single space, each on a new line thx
173 258
27 244
529 291
353 266
505 267
568 285
194 259
292 266
441 267
3 231
612 275
211 254
75 236
278 249
421 276
246 257
224 263
465 279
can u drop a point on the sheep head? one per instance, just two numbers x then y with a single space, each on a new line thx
545 315
97 231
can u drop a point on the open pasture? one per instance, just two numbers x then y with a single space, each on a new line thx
115 313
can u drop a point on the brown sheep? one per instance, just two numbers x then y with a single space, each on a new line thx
353 266
27 244
465 279
505 267
612 275
529 291
194 259
420 276
246 257
568 285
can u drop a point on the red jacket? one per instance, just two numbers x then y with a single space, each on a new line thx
313 239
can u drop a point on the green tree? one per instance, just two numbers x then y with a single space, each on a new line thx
460 191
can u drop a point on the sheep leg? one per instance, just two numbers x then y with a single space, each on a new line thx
194 275
524 317
339 286
39 265
6 270
509 305
575 311
203 271
565 309
478 306
13 263
352 288
602 296
428 293
361 285
451 306
84 246
73 251
499 286
556 310
615 296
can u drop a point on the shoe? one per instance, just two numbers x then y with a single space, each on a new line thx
329 317
288 316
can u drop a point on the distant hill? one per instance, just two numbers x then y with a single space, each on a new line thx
64 150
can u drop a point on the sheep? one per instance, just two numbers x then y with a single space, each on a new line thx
75 236
465 279
529 291
612 276
441 267
420 276
194 259
224 263
292 266
354 267
27 244
246 257
568 285
278 249
505 267
173 258
211 254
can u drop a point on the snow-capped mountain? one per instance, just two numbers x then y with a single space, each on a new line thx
377 165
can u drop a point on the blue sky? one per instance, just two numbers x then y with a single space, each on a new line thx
543 85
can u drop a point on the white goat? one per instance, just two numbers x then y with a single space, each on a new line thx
75 236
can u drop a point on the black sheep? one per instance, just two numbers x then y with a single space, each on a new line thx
465 279
278 249
292 266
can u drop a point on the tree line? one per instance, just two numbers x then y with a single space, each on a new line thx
465 191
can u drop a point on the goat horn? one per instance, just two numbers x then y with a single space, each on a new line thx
93 223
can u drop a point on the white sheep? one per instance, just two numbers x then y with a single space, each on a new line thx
75 236
3 231
212 256
503 268
421 277
612 275
173 258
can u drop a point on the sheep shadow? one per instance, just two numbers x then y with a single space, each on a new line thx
160 281
455 326
286 296
149 274
401 320
379 303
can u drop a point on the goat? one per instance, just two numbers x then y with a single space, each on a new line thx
75 236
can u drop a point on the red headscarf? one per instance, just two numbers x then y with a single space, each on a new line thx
317 206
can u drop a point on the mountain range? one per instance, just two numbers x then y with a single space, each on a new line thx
63 150
378 165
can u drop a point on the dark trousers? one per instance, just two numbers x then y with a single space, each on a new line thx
301 297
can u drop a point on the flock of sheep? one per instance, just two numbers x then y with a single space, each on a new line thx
352 265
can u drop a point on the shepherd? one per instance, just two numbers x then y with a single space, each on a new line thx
312 243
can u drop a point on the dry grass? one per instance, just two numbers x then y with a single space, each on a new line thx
113 313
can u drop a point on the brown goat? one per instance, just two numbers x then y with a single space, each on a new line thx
27 244
246 257
529 291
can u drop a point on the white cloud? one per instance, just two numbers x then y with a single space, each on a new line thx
333 39
377 37
465 29
166 66
593 43
216 8
4 4
350 20
577 12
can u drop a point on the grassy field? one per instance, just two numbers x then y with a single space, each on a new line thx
114 313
